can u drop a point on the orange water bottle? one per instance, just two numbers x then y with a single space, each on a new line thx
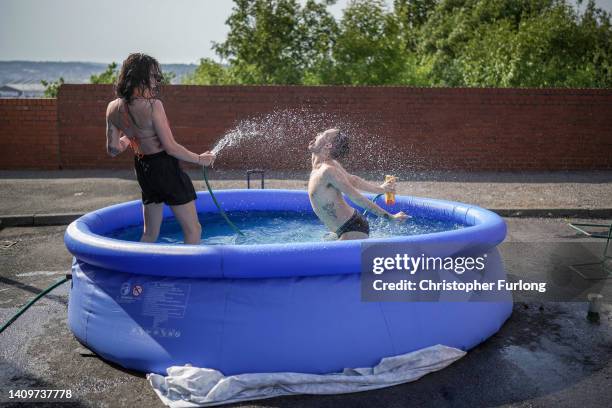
389 197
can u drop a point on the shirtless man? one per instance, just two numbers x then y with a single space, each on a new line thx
328 180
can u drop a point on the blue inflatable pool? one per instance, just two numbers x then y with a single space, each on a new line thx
263 308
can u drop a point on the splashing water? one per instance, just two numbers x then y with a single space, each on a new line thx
281 128
279 137
281 227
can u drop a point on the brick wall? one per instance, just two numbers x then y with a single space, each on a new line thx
28 134
407 128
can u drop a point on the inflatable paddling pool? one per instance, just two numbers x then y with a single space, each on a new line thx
284 307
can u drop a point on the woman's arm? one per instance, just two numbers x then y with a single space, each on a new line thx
115 142
162 128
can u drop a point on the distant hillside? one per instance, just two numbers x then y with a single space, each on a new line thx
31 72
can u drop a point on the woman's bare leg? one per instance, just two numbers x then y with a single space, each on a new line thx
153 215
187 216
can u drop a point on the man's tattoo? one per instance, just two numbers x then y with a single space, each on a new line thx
386 216
330 210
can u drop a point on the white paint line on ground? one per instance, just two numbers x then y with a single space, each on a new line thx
41 273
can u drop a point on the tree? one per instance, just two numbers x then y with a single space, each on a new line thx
596 26
109 76
275 41
520 43
262 42
209 72
368 49
52 88
168 77
412 14
501 43
317 34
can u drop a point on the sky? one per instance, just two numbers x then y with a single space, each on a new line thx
179 31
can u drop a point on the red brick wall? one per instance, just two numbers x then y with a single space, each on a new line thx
28 134
410 128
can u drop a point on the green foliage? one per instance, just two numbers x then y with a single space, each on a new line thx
496 43
317 33
519 43
52 88
209 72
168 77
109 76
368 48
411 15
273 41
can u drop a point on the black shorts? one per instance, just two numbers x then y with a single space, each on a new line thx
357 223
162 180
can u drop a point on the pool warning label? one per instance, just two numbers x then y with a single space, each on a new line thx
164 300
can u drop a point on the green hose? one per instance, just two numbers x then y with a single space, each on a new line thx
31 302
374 201
212 195
68 277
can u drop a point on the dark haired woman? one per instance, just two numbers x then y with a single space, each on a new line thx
137 119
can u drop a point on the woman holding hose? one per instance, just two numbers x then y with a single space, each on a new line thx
137 119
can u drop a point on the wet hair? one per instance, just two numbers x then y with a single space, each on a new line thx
340 146
136 72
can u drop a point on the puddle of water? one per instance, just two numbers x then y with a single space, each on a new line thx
548 364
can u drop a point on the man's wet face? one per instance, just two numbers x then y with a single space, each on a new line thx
314 144
317 144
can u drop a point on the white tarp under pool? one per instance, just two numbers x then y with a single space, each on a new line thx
187 386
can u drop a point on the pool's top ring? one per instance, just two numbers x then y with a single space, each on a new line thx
84 239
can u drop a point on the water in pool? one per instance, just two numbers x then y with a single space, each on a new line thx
272 227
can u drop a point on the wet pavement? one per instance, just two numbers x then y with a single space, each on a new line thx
547 354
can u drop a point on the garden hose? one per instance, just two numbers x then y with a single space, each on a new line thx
68 277
212 195
374 201
31 302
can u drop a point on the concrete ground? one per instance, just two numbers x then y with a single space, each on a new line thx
34 192
547 354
